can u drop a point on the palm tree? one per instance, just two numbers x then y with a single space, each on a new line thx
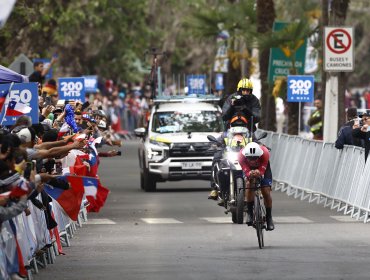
239 20
265 21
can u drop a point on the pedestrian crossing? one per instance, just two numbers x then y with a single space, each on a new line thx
227 220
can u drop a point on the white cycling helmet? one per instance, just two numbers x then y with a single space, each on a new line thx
252 151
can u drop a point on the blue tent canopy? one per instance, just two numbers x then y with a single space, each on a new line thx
9 76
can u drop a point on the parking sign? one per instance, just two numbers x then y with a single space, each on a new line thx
196 84
71 89
300 88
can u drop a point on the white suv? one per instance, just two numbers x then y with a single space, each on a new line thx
175 146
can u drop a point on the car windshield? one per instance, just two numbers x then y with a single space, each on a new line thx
201 121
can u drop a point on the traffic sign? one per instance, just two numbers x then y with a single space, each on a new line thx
300 88
71 89
280 64
196 84
22 65
338 51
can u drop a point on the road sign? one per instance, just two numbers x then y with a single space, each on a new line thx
338 51
22 65
196 84
71 89
22 95
300 88
280 64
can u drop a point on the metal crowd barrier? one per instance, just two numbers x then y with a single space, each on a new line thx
318 172
38 244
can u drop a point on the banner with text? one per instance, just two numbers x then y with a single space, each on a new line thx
71 89
300 88
20 99
196 84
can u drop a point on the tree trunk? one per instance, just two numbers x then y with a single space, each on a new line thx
338 15
265 21
234 74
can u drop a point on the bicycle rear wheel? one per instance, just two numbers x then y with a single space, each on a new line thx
258 220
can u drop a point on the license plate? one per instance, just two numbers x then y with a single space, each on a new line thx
191 165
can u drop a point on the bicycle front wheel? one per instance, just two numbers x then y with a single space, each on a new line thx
258 221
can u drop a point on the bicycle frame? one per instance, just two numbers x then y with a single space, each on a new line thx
259 215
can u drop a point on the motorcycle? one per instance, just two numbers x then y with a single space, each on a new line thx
227 173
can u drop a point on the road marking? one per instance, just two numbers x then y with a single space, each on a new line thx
100 222
345 219
161 221
218 220
291 220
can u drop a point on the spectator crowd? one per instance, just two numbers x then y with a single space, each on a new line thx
49 167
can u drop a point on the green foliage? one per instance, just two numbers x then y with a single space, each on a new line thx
102 37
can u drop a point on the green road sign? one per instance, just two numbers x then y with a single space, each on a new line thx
280 63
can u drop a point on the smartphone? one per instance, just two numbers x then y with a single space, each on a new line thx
47 101
27 171
119 153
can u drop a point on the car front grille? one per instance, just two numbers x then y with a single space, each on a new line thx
191 150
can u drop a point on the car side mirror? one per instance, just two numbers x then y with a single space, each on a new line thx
140 132
211 138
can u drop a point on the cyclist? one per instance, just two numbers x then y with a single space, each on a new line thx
244 103
254 160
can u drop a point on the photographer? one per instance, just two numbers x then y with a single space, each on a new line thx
345 132
243 102
363 132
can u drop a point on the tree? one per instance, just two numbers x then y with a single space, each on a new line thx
265 21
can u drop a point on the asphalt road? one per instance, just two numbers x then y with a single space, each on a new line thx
176 233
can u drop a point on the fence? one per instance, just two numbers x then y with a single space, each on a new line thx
39 246
318 172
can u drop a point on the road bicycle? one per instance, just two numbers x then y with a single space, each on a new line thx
259 215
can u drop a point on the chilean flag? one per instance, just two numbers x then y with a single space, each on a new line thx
20 188
17 109
70 200
96 194
3 95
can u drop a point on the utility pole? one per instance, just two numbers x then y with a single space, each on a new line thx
335 81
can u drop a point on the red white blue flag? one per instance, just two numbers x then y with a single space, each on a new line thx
17 109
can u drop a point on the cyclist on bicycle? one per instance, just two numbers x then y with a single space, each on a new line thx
254 160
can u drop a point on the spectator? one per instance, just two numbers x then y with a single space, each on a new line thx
315 121
40 71
345 132
363 132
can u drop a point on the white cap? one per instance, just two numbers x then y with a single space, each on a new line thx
25 135
102 124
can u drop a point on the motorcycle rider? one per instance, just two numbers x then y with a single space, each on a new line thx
242 103
241 107
254 160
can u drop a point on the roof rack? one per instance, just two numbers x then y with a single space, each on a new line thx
191 98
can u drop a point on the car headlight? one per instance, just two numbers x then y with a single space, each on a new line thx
157 151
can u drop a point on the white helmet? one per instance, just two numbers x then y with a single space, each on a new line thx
252 151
